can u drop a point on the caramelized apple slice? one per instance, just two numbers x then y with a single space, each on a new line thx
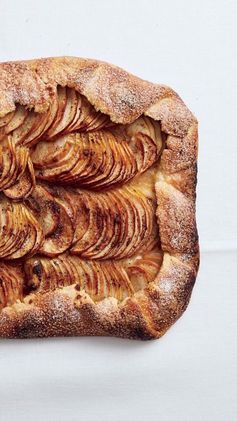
81 164
24 185
9 232
18 119
46 210
20 230
26 235
76 118
61 105
47 154
61 238
69 111
106 232
6 164
11 285
62 167
106 163
95 228
21 133
85 115
98 279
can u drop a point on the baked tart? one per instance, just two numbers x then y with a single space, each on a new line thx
97 201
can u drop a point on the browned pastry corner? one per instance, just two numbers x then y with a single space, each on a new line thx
97 201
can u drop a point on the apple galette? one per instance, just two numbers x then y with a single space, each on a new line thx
97 201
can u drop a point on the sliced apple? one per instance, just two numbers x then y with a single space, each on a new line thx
61 105
20 230
24 185
46 210
18 119
62 167
69 111
76 118
95 228
115 227
98 279
48 154
8 160
105 234
61 239
54 220
11 285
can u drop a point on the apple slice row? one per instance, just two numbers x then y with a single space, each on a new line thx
98 279
20 232
93 160
53 219
11 284
17 177
113 224
68 112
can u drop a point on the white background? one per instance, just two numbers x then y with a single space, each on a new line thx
190 374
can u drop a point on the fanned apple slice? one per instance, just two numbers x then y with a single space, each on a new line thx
86 116
99 160
106 233
99 228
20 134
24 185
32 237
63 167
18 119
5 175
11 285
14 226
99 121
69 111
8 226
46 210
56 173
61 105
142 218
106 164
79 204
37 130
56 224
47 154
116 226
76 117
84 154
98 279
128 226
145 141
95 228
61 238
91 155
19 228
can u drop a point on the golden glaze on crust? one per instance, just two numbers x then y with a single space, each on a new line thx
150 311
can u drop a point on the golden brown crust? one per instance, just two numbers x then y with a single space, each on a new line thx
124 97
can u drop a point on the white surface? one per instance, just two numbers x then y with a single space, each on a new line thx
190 374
